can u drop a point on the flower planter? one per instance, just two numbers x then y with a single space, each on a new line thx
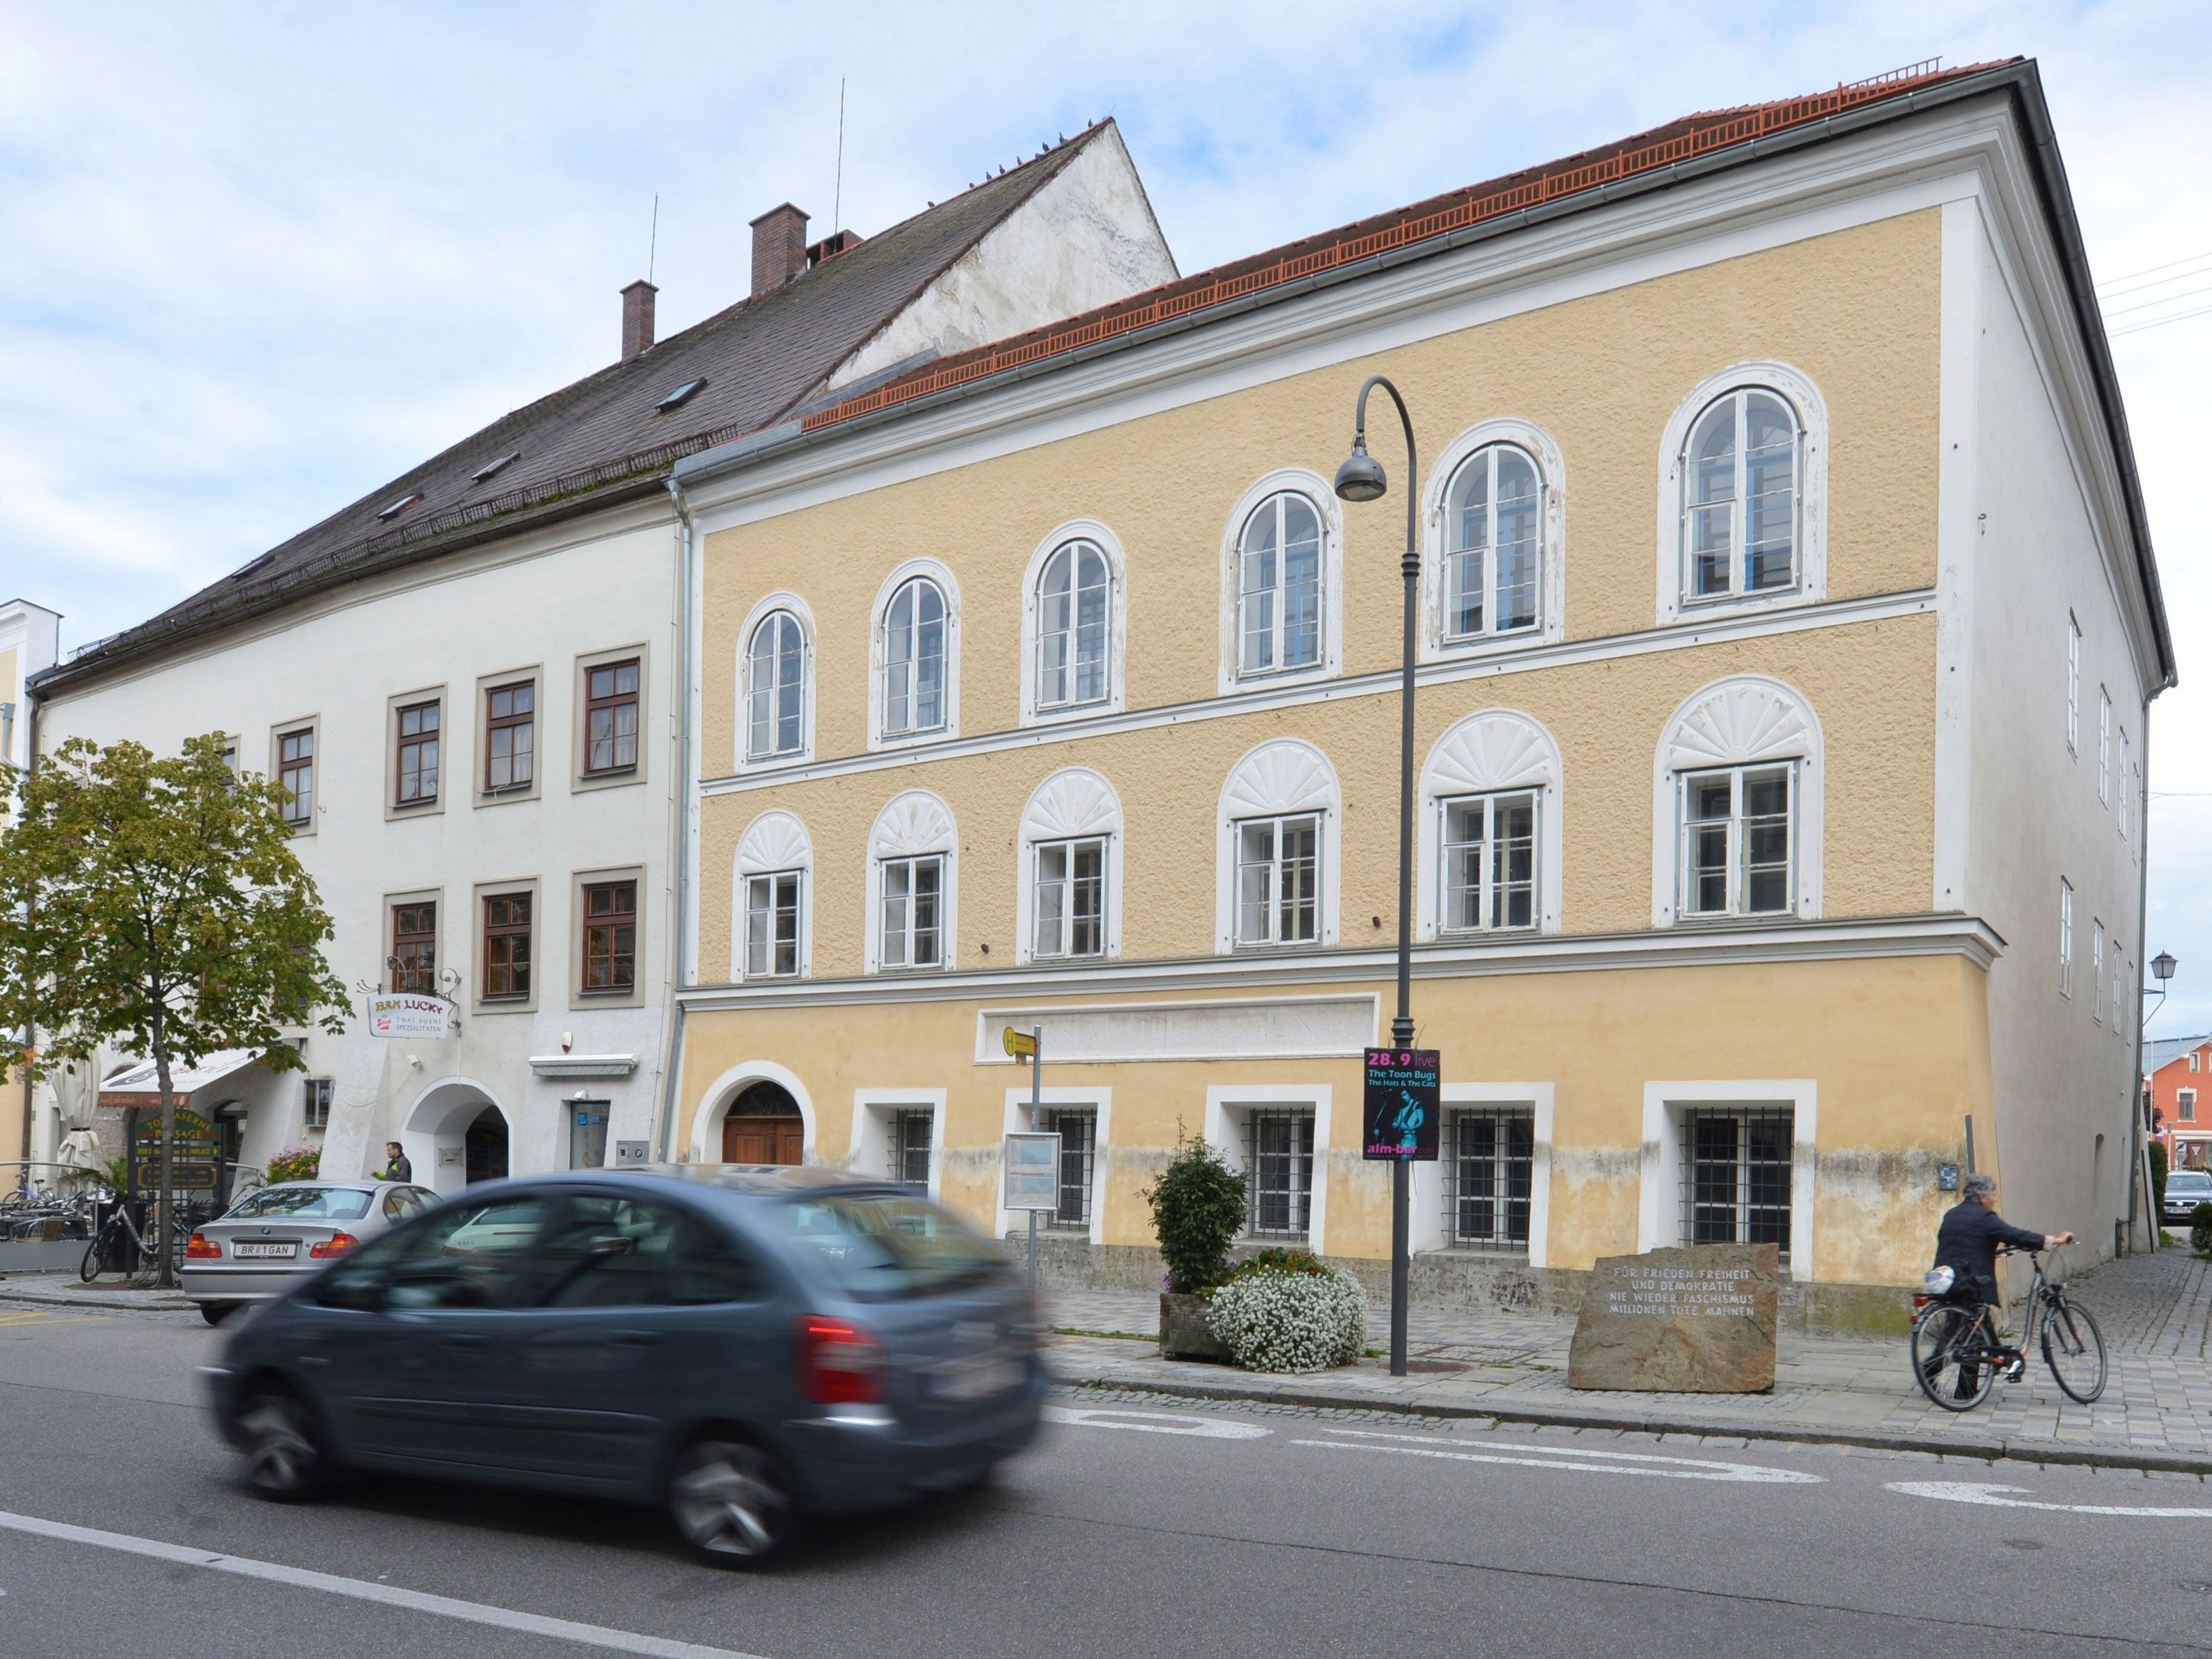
1185 1333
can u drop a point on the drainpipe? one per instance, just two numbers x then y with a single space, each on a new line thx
2136 1181
671 1091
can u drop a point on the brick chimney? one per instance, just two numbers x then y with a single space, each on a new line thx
779 247
637 318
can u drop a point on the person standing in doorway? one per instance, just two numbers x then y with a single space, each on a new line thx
396 1166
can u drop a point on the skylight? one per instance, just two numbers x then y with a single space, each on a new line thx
682 395
400 506
483 473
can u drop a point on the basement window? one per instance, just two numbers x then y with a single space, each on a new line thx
682 395
399 507
499 466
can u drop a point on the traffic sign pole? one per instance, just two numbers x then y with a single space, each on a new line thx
1036 1102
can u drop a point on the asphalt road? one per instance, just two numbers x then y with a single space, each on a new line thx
1155 1528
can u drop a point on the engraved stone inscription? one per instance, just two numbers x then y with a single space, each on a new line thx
1697 1320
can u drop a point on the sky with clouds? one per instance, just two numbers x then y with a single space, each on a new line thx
256 258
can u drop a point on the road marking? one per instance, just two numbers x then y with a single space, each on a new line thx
391 1596
1197 1428
1967 1492
27 1318
1578 1458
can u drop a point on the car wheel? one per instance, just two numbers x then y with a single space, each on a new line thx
732 1504
215 1312
284 1461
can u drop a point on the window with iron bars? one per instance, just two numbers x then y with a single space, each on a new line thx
1489 1171
911 1146
1736 1177
1078 1129
1278 1145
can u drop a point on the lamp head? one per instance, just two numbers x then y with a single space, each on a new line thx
1361 478
2163 965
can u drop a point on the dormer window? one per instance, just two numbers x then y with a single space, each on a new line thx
683 395
399 507
494 467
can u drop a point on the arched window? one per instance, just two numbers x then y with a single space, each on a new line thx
773 934
1736 805
1279 598
1490 828
1493 542
1739 497
1074 626
1070 903
913 884
1279 856
775 688
913 659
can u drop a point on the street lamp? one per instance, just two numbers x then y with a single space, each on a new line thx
1361 479
2161 968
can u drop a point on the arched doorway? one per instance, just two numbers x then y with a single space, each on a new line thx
764 1126
485 1145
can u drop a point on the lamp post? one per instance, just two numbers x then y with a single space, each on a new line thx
2161 968
1361 479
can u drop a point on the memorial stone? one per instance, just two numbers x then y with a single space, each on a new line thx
1696 1319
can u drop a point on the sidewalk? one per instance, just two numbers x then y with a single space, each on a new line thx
2155 1412
66 1290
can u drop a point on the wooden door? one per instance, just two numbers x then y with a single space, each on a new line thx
764 1140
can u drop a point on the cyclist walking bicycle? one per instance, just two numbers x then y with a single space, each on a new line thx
1959 1347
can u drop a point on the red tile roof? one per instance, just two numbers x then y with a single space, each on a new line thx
1646 152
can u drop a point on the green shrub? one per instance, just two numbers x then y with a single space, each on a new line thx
1279 1319
1198 1206
1276 1259
2200 1229
296 1163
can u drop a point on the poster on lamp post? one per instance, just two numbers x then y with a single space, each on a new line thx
1404 1086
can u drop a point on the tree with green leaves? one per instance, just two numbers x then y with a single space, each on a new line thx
154 904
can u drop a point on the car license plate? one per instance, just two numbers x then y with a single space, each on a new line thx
976 1377
284 1252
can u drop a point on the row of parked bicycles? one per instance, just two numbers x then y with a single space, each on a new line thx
118 1230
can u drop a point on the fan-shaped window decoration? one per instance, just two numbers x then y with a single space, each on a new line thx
1490 828
1277 862
775 688
1739 497
1074 621
1736 805
774 893
913 868
913 659
1494 519
1279 586
1070 903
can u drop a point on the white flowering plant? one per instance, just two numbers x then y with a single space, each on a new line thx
1291 1319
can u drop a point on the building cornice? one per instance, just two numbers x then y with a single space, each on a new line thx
1756 944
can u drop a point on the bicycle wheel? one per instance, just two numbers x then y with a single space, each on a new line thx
89 1269
2073 1348
1950 1359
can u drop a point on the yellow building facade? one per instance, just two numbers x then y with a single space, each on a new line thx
1070 703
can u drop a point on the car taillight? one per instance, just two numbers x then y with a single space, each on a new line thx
201 1248
839 1363
336 1245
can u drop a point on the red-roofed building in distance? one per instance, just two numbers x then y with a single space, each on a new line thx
2180 1109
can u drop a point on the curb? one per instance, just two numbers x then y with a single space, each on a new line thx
119 1300
1991 1449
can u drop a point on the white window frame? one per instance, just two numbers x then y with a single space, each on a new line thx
1797 390
2073 684
2104 747
1278 826
1033 711
1551 545
2065 936
1749 721
1073 804
2120 991
1736 905
2124 772
1322 494
1497 751
1659 1198
1490 803
1228 1106
874 1112
773 843
1279 779
1100 1101
911 868
772 881
743 759
1427 1189
2096 971
878 657
914 824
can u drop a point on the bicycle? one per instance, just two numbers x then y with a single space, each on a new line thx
1956 1356
125 1244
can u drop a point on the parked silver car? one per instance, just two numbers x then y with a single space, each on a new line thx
271 1239
2184 1190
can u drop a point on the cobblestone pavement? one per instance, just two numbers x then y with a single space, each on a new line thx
2156 1311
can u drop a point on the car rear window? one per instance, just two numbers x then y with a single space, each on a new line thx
883 1247
331 1203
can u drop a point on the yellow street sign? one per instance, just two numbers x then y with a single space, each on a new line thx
1022 1045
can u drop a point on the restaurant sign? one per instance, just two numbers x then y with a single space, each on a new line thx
410 1014
194 1153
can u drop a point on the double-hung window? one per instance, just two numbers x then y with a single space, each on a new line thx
296 771
775 688
1739 853
913 659
2184 1105
2104 747
1736 1177
415 947
1740 498
610 937
1071 898
1279 1158
1279 880
611 694
913 912
2065 936
507 947
1493 525
1490 863
315 1094
1278 608
418 755
1078 1129
772 925
2073 683
510 736
1489 1175
1074 615
2097 970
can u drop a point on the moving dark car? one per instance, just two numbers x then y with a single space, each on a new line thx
746 1346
